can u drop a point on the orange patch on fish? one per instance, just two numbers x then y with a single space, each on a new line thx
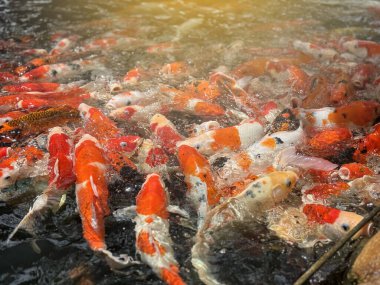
147 244
269 143
226 138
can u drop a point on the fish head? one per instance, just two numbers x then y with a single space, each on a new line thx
127 144
190 160
283 183
153 197
8 176
84 110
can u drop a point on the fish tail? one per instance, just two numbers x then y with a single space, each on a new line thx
49 199
171 276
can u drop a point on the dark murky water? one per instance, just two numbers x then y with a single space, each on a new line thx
207 34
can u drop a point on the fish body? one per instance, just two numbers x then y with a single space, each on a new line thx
369 145
199 180
153 242
227 139
90 168
165 133
335 223
362 48
325 190
151 158
18 163
38 87
126 99
351 171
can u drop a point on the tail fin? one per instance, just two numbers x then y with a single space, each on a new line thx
49 199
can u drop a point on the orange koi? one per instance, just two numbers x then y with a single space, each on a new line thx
194 106
226 139
326 190
165 133
153 242
199 180
39 87
335 223
351 171
370 145
18 163
91 190
133 76
352 115
342 90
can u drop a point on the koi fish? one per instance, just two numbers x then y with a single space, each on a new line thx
126 99
5 118
197 130
259 196
203 90
256 159
199 180
342 90
335 223
324 191
137 112
151 158
315 51
59 70
352 115
61 176
20 163
189 104
153 242
226 139
63 45
40 87
133 76
175 68
318 95
362 75
370 145
4 152
351 171
37 122
165 133
91 190
6 77
362 48
326 143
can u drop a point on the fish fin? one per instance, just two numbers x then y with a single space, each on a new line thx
118 262
128 213
177 210
62 201
46 200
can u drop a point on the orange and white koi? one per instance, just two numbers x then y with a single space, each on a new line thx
199 180
259 196
369 145
335 223
189 104
165 133
316 51
153 242
227 139
256 159
21 163
91 190
351 171
352 115
362 48
59 70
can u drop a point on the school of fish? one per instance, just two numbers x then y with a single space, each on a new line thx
239 147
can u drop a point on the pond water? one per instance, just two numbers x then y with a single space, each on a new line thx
204 36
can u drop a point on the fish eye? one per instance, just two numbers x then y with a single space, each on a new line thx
288 183
345 227
123 144
7 177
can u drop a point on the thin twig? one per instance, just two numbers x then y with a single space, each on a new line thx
304 277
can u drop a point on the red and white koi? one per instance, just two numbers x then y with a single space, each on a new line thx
21 163
151 158
199 180
351 171
227 139
316 51
153 242
59 70
324 191
126 99
362 48
165 133
335 223
63 45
